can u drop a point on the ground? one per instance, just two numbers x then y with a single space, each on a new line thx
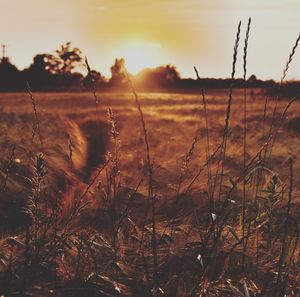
172 121
77 136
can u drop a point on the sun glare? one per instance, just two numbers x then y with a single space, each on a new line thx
140 55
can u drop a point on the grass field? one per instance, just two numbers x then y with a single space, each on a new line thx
79 220
173 121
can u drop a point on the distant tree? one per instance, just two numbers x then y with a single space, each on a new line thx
67 59
41 64
56 71
10 76
64 61
118 73
169 72
64 64
252 79
98 79
159 77
38 74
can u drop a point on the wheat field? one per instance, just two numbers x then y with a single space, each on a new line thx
77 217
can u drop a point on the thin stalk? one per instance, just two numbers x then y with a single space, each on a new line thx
284 74
36 126
210 194
228 112
151 195
96 99
278 291
245 126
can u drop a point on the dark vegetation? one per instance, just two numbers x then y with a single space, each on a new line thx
210 231
62 71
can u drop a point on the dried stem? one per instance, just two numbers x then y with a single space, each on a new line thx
151 195
36 125
228 112
245 124
96 100
210 194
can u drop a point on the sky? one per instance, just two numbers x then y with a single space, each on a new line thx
149 33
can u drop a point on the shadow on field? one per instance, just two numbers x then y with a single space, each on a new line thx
97 137
294 125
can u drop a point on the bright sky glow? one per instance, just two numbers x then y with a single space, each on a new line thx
150 33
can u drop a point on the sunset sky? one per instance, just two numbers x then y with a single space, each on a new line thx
151 33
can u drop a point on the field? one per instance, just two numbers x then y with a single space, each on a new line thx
91 217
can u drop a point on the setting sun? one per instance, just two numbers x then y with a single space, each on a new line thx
140 55
153 33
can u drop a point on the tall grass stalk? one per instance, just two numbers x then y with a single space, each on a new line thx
210 194
185 163
280 287
96 99
201 169
113 182
284 74
79 203
228 114
36 125
151 195
114 159
265 117
245 123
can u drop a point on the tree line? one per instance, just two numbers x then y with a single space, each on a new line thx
62 70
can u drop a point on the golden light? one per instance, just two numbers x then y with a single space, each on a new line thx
140 55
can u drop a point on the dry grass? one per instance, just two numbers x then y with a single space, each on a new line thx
121 202
101 246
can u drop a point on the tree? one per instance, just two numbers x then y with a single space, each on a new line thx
41 64
10 77
38 74
65 61
56 71
159 77
252 79
169 72
118 73
98 79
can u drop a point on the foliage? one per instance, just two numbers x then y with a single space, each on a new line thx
66 60
118 73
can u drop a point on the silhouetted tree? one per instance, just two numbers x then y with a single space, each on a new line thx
56 71
159 77
169 72
118 73
64 64
66 59
252 78
10 77
38 74
41 63
98 79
